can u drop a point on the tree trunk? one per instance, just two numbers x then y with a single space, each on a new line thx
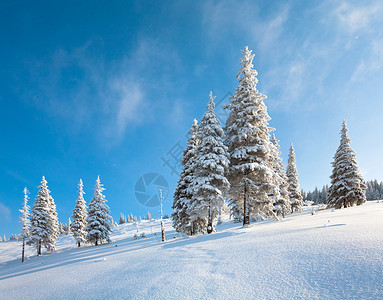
193 228
39 247
246 217
78 244
162 231
96 243
210 223
22 253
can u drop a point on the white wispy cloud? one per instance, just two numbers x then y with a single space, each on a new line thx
222 19
298 65
79 86
130 104
5 212
358 17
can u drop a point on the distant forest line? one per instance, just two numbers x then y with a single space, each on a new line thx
374 192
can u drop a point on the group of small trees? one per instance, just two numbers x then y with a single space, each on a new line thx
40 227
240 163
374 190
317 196
130 218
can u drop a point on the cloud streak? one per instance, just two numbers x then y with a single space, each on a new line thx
354 18
82 88
5 212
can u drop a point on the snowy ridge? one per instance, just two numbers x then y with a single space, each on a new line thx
333 254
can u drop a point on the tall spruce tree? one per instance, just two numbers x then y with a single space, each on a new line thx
251 174
293 183
210 185
347 186
79 216
44 224
24 219
282 203
99 221
182 193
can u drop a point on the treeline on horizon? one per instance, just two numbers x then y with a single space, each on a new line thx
374 191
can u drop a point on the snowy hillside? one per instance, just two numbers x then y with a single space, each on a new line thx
329 255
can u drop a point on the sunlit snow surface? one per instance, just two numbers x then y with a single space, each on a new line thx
329 255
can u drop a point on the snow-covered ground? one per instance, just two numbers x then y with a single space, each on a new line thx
329 255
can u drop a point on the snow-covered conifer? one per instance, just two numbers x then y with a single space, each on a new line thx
122 219
293 183
182 195
282 203
44 224
209 185
79 217
4 238
149 216
24 219
251 173
99 221
69 227
347 186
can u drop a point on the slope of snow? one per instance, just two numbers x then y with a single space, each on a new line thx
329 255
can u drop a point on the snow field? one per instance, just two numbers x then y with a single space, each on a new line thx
330 255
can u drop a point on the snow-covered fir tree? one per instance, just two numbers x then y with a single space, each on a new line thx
149 216
24 219
44 224
122 219
79 216
4 238
99 221
209 185
251 173
182 193
347 187
282 203
293 183
69 227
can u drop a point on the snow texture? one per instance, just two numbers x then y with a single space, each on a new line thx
337 255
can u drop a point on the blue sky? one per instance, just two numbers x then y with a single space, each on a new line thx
110 87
